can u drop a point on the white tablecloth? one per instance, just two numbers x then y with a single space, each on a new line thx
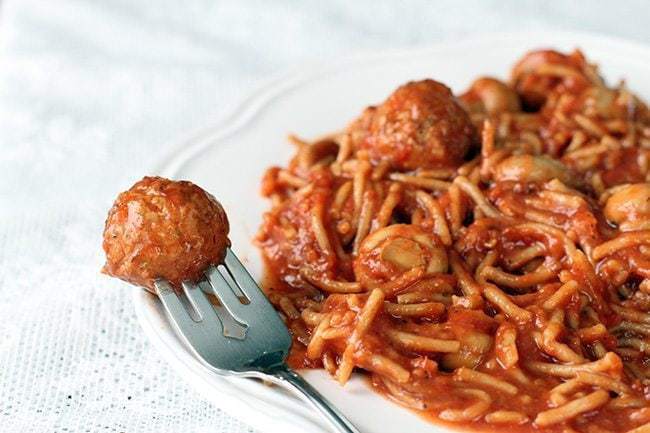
91 93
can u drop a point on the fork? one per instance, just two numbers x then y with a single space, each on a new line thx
242 336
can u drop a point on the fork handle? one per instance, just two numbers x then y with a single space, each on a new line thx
335 418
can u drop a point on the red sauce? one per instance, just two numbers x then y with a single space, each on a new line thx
469 287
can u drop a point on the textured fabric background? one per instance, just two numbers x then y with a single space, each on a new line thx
91 93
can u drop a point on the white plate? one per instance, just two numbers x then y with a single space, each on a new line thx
229 161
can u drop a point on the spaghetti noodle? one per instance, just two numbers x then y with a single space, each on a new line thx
484 259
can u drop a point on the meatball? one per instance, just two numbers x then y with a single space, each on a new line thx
421 125
358 129
289 239
162 228
540 72
629 207
489 95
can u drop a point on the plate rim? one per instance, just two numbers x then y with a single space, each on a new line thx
187 146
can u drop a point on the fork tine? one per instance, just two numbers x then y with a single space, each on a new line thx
244 280
226 296
198 299
170 299
199 335
231 327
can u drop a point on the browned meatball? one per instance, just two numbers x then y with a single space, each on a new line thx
358 128
419 126
542 71
162 228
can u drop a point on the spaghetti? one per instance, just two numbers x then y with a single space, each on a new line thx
484 259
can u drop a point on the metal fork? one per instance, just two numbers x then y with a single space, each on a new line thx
243 335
